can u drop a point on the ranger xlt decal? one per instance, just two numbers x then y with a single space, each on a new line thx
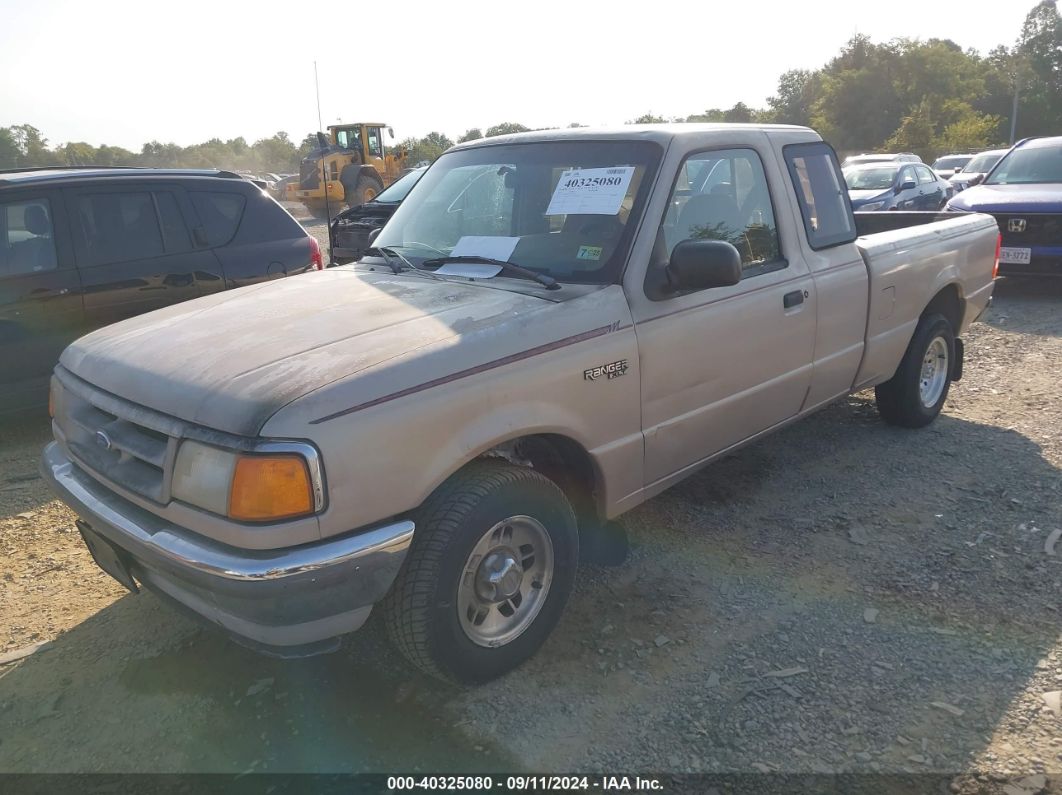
610 370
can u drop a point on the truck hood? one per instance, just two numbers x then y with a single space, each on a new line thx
229 361
1010 199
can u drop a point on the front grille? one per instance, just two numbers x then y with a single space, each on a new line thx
1040 229
107 439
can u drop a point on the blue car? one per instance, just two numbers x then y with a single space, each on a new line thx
895 186
1024 193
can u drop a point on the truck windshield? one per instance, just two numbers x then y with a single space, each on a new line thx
400 187
563 208
1039 164
870 178
955 161
982 163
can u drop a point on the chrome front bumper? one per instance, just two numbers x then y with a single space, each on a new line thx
289 602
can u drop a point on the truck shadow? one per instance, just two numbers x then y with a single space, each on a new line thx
939 533
751 566
138 688
1026 305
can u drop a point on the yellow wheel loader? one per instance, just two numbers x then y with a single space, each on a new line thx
350 169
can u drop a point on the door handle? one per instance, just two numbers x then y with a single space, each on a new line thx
795 298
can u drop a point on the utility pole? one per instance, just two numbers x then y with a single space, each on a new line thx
317 85
1014 112
1014 107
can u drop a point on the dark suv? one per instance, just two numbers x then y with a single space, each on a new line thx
81 248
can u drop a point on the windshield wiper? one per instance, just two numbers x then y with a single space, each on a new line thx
389 255
548 281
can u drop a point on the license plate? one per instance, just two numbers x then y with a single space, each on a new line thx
1016 256
106 556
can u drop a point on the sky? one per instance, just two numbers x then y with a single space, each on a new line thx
184 71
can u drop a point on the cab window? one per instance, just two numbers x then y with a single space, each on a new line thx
375 142
346 138
723 195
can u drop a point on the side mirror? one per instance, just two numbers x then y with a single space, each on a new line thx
391 131
701 264
976 179
908 185
375 233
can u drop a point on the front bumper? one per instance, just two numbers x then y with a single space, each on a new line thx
289 602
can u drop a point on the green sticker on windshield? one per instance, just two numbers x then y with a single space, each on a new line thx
589 252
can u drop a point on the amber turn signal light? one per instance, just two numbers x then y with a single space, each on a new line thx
270 487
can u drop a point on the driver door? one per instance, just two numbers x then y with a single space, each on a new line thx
720 365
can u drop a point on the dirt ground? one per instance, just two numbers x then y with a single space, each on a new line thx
842 596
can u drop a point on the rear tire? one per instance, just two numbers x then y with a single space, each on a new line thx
914 396
490 520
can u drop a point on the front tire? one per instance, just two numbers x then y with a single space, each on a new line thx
490 569
364 189
914 396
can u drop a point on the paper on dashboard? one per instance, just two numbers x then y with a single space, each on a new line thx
469 270
485 246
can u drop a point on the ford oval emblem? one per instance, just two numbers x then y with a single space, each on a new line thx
103 440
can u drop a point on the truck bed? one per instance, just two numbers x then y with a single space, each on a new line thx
909 255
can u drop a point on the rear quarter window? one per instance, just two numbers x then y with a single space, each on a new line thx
219 213
265 221
821 193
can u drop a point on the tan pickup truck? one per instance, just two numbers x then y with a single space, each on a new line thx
551 329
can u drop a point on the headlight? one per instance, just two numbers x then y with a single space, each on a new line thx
249 487
202 476
871 207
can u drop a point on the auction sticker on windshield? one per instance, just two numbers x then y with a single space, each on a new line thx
591 191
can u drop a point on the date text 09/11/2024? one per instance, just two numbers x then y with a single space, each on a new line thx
525 783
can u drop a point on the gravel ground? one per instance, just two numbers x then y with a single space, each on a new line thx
841 597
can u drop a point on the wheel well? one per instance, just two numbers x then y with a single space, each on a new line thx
948 303
562 460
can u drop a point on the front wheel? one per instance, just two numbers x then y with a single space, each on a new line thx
914 396
365 189
490 569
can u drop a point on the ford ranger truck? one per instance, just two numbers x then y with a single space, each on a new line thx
552 328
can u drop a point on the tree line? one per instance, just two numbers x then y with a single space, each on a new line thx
927 97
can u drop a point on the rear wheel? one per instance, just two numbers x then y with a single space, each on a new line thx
914 396
491 566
